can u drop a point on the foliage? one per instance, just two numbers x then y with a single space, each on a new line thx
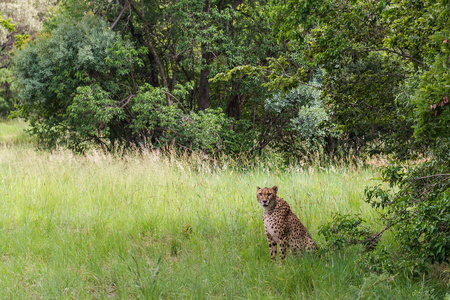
417 205
364 105
274 75
206 130
50 70
295 118
7 25
420 31
6 105
432 101
371 50
344 230
19 20
381 72
298 116
90 115
183 61
82 91
360 83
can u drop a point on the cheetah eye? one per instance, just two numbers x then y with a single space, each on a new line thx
260 194
269 194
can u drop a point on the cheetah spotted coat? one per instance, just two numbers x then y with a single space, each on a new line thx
282 225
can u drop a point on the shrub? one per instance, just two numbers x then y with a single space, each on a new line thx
415 207
58 69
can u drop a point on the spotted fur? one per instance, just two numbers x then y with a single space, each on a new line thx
282 225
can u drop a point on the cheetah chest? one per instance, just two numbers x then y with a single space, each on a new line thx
268 226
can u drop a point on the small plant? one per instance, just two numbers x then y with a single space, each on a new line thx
146 289
175 246
187 230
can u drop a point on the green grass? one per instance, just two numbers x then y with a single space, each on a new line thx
155 226
12 132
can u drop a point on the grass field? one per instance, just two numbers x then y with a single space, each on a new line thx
157 226
12 132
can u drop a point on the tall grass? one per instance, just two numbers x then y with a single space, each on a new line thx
159 226
12 133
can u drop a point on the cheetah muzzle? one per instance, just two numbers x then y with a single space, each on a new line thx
282 225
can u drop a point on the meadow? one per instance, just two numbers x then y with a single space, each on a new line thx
164 226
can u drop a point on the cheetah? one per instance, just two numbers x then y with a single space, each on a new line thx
282 225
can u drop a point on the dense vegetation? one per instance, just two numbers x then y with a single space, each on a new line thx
281 80
154 225
342 76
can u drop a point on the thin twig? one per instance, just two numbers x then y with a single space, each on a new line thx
120 15
403 54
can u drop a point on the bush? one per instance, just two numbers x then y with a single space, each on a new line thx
159 124
59 67
300 121
415 207
347 230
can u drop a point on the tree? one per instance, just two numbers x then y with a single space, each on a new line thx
78 86
419 33
180 37
60 66
6 104
140 13
406 41
19 20
346 39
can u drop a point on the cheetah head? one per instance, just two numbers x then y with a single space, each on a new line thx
267 197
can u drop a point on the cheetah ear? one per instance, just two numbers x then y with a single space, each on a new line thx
275 189
258 188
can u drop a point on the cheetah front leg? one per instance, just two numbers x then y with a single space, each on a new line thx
283 248
272 247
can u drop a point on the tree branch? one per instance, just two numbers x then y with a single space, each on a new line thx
120 15
152 49
403 54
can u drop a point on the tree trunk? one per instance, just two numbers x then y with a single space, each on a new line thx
152 76
329 144
203 92
235 103
174 68
153 70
